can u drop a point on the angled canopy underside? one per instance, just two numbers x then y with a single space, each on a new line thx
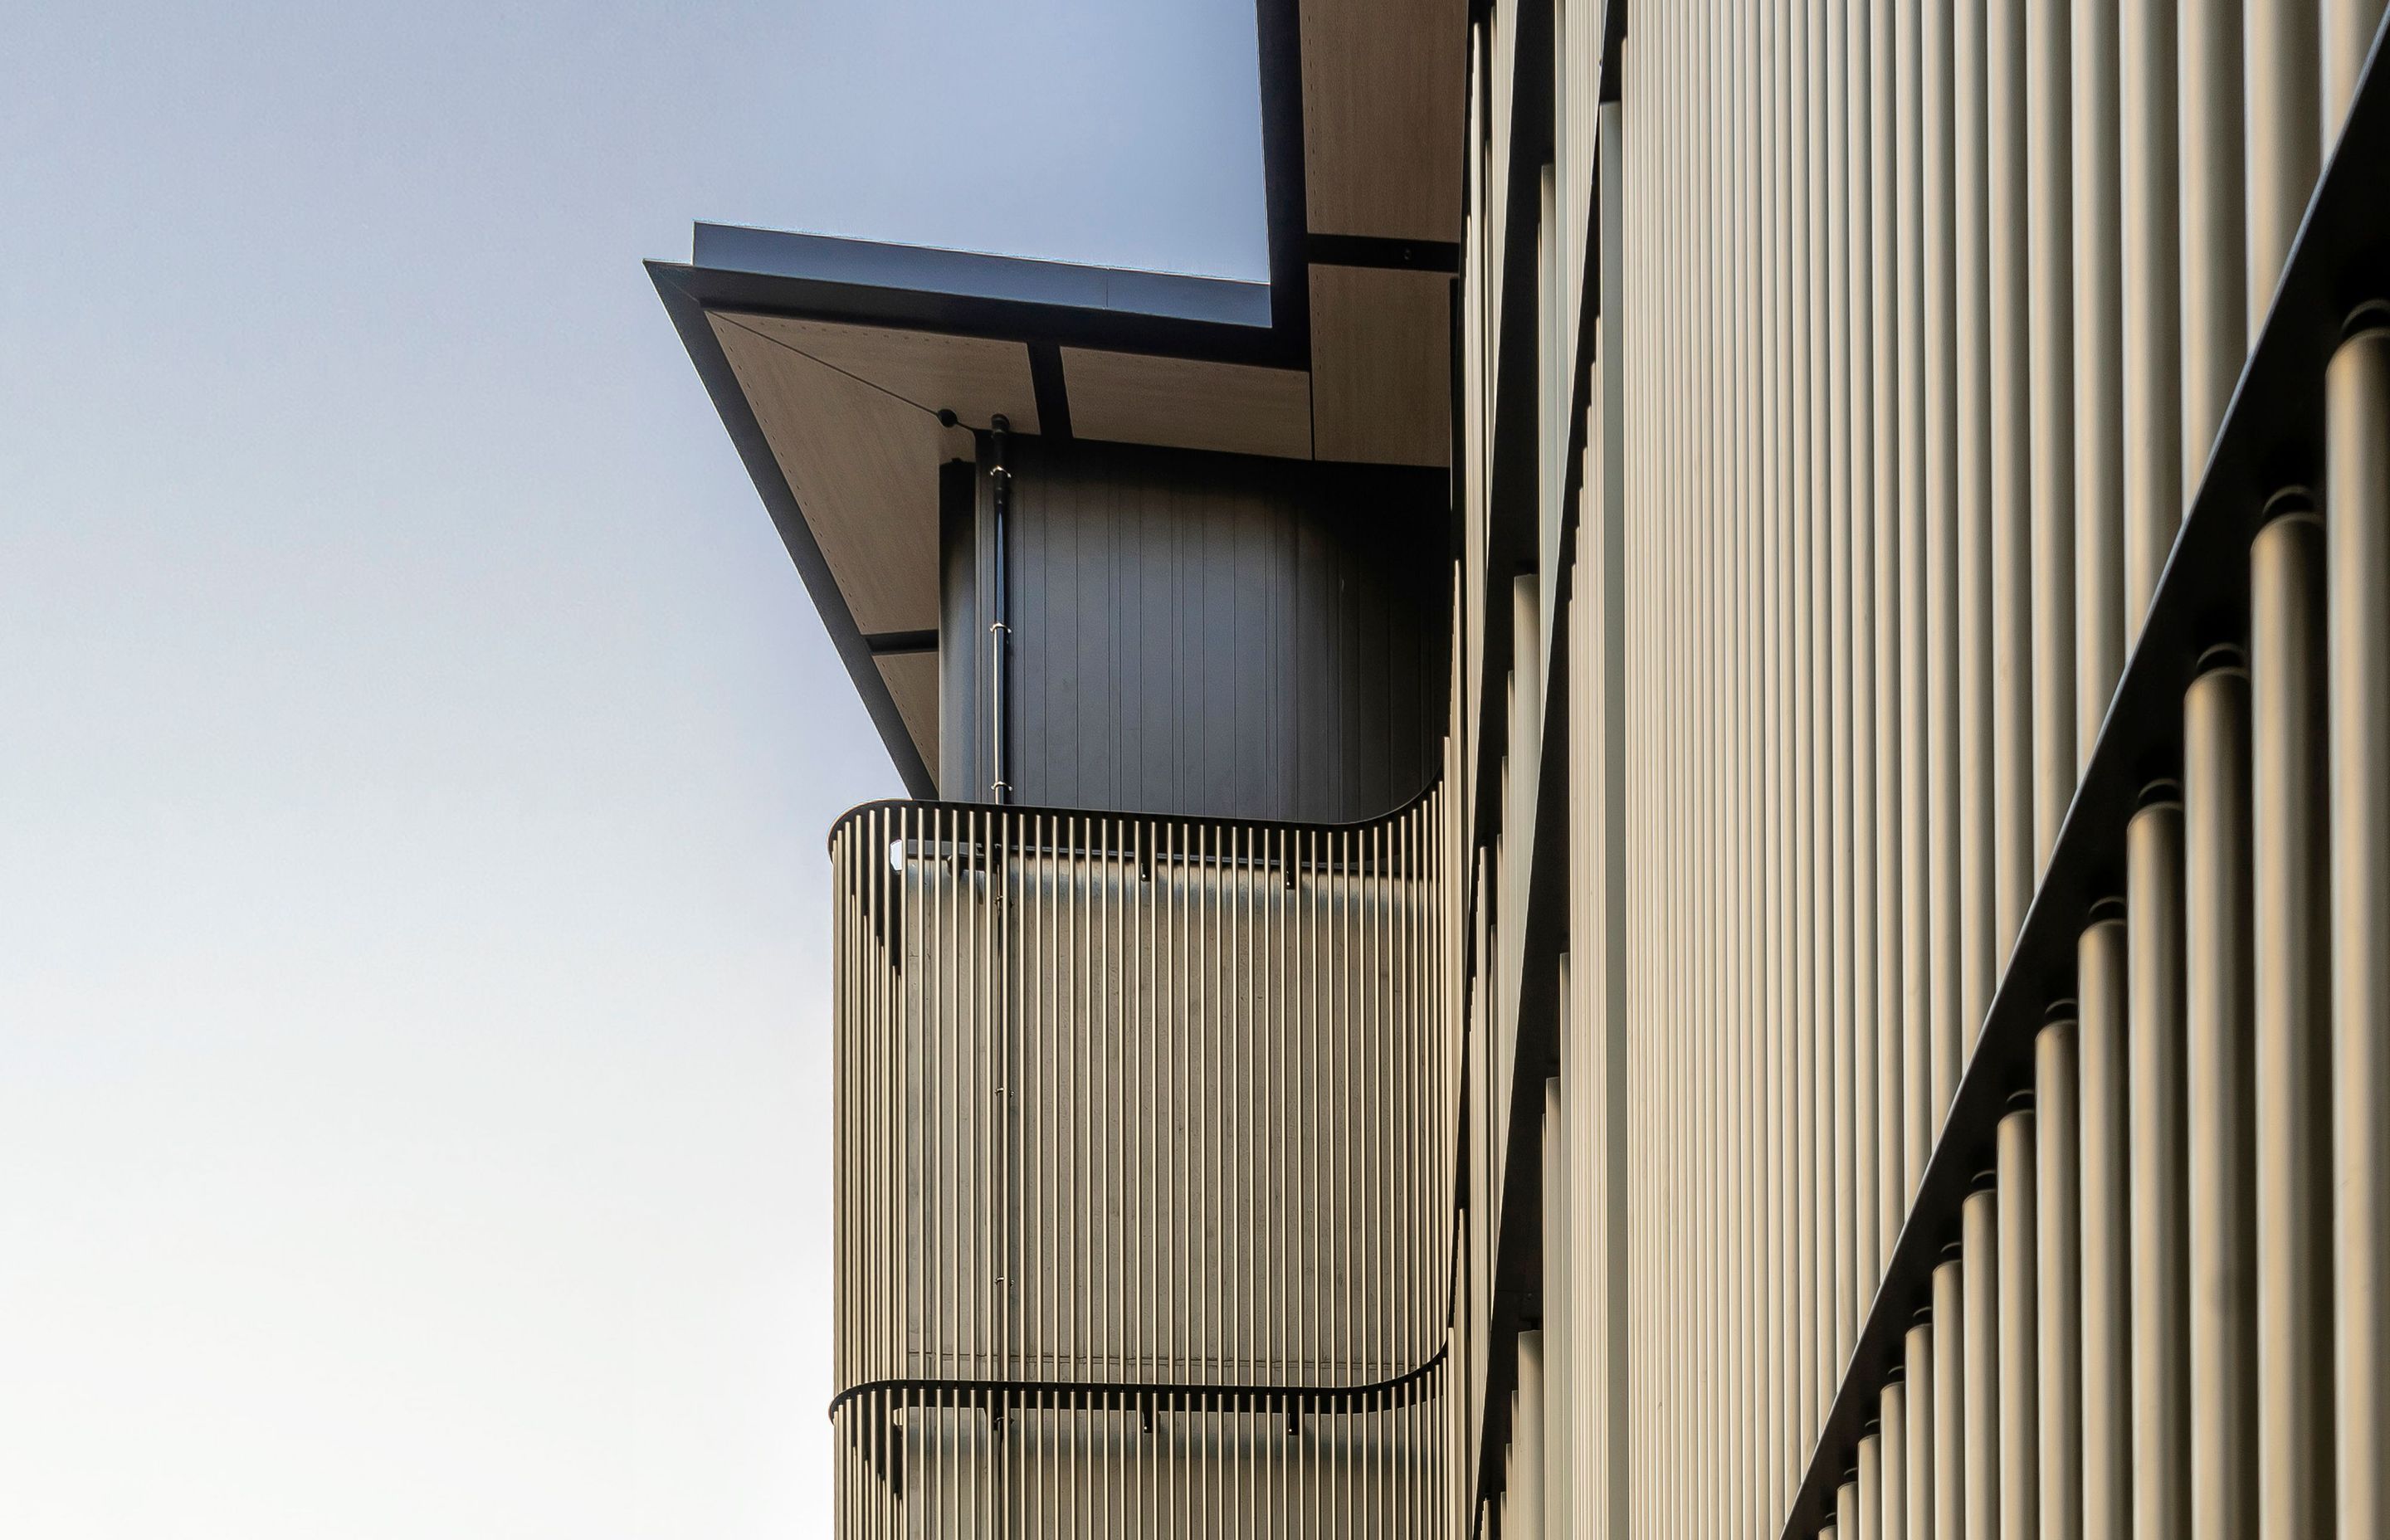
831 359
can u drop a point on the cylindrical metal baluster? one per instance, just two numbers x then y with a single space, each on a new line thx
2357 576
1564 1391
1979 1263
1921 1112
2158 1204
1980 866
1738 311
1868 1509
1949 1033
1949 1489
2348 28
2103 1054
2215 291
1888 925
2050 289
1814 1337
2288 795
2097 442
1820 549
2009 480
1892 1503
1919 1359
2282 62
1527 1453
2152 338
1791 1388
2058 1275
1865 818
2221 1131
2020 1325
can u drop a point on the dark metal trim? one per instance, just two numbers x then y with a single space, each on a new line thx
1164 1395
892 643
872 264
1285 195
1052 392
2271 437
1058 303
1103 815
1614 33
1414 256
996 316
999 641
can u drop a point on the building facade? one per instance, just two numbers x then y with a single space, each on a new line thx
1690 836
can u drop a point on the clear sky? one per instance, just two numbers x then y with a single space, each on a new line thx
415 748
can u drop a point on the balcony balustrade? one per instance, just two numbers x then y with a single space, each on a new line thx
1145 1153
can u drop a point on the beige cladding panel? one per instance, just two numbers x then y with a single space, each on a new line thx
1382 85
863 467
1380 365
978 376
912 680
1188 403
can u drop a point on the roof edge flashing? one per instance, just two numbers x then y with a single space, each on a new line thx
979 275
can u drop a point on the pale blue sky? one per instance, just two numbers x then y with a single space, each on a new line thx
415 748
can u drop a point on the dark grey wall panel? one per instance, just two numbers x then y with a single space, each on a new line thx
960 670
1202 633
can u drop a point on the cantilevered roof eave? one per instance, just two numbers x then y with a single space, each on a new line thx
688 317
1175 360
